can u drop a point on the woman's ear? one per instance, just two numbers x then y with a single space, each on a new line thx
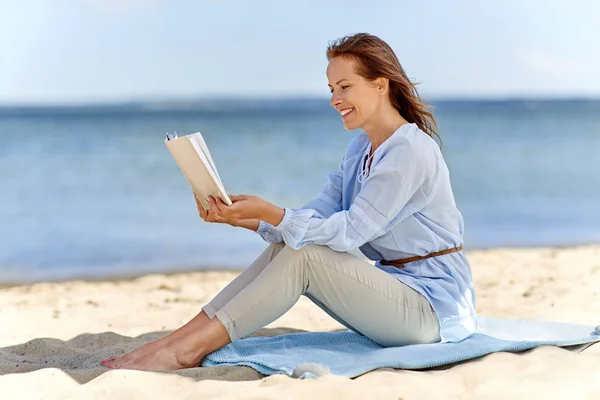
382 84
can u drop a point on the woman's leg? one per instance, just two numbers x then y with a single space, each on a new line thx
199 321
242 280
354 292
370 301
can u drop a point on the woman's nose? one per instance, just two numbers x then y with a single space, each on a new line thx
335 100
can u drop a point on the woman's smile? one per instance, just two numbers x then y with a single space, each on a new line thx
346 111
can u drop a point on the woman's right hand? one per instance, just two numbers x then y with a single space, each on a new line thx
211 215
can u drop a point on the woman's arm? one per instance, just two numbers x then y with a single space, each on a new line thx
213 215
271 214
251 224
399 185
327 203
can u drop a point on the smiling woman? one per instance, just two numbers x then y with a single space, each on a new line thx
363 62
391 198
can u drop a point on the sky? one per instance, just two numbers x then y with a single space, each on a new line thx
95 51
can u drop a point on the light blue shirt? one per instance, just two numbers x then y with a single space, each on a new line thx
404 207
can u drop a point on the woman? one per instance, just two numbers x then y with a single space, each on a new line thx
391 197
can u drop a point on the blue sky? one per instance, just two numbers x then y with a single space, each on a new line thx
78 51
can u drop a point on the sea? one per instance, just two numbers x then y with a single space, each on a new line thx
91 192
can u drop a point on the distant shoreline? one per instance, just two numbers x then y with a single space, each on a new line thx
204 269
235 104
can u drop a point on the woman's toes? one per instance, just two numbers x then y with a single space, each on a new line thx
111 362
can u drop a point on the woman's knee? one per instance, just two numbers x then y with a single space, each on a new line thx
308 255
312 251
301 258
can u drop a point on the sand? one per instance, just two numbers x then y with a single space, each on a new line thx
53 336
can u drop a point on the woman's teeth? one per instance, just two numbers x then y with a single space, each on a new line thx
346 111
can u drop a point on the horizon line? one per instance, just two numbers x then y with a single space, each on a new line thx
271 98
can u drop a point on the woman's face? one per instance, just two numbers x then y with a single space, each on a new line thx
356 98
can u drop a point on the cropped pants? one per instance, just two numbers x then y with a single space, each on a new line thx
357 294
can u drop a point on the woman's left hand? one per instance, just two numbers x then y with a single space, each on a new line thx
248 207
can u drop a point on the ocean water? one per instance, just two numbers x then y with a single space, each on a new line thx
93 192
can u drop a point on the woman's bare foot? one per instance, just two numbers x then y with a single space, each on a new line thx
183 348
160 355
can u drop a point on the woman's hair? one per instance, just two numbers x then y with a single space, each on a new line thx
376 59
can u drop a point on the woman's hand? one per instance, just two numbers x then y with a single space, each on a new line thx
246 207
212 215
243 207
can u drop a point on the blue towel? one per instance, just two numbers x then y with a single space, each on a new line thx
349 354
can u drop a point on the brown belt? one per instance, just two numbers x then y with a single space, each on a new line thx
400 263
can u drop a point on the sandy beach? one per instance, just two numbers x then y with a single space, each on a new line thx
53 336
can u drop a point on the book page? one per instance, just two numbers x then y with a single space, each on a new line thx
202 144
197 169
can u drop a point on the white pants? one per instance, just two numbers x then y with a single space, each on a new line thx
351 290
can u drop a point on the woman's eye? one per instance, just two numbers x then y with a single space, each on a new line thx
344 87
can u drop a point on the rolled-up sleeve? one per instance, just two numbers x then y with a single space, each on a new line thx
397 187
269 233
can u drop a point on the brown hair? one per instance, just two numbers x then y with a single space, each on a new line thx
376 59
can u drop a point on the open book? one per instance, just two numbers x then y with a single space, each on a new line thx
193 158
